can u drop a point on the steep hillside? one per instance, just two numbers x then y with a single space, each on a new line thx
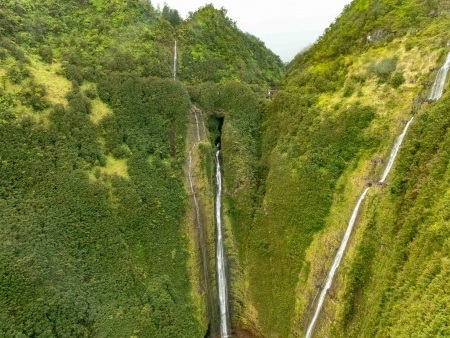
95 238
396 283
326 135
102 157
215 49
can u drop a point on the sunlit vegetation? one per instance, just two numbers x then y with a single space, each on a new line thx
328 131
210 53
401 264
93 199
92 195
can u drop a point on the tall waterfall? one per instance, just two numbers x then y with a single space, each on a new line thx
340 253
175 60
439 82
220 256
336 262
394 151
435 94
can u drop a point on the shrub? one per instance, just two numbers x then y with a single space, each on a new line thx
18 73
384 68
15 51
46 53
3 54
33 95
397 79
91 93
121 151
79 102
74 73
348 90
89 73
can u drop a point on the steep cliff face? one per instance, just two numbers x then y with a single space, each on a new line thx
326 135
99 231
96 233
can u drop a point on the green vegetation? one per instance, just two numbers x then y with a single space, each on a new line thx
214 49
405 282
92 195
93 199
240 110
323 136
82 257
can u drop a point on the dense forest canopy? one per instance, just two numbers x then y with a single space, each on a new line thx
92 198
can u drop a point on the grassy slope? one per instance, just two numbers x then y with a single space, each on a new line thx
338 109
400 266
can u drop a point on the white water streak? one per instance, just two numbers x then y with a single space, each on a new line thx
394 151
439 82
191 185
220 256
197 128
175 59
337 261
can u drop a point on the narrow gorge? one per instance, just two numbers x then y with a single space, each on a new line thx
169 177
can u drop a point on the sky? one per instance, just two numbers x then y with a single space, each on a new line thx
285 26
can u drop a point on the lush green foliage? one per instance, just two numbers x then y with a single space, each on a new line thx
92 242
83 257
235 121
331 115
214 49
304 168
366 21
92 200
405 282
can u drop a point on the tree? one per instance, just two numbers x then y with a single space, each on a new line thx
171 15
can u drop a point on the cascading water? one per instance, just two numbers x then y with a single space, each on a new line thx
435 94
220 255
439 82
394 152
203 123
337 261
175 60
197 127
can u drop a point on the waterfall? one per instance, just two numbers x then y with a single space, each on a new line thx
435 94
175 59
203 123
220 256
394 151
336 262
340 253
439 82
197 127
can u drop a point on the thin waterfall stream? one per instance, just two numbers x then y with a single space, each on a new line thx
394 152
220 256
337 261
175 60
436 92
439 82
348 232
